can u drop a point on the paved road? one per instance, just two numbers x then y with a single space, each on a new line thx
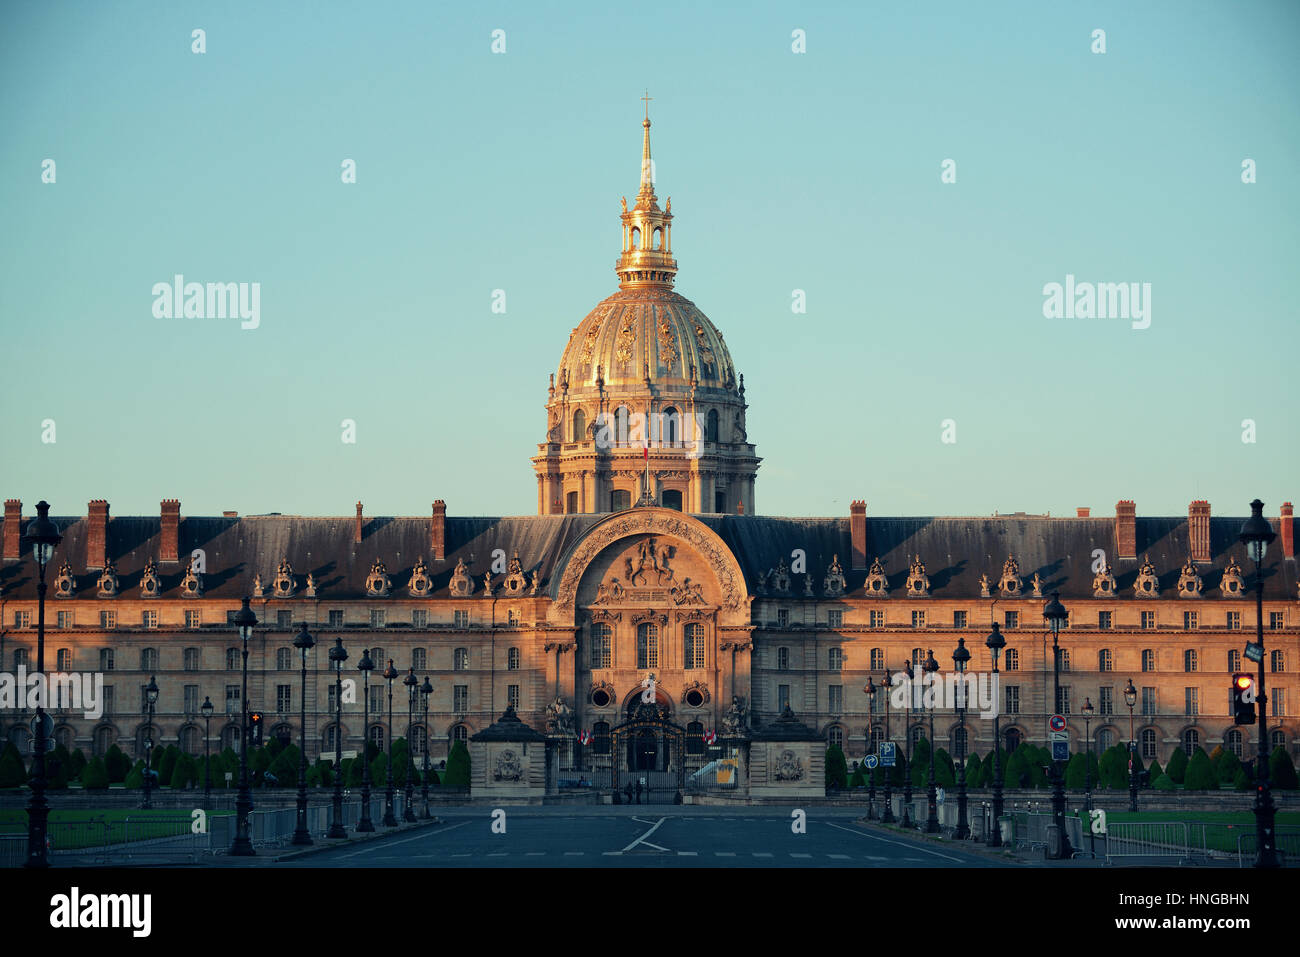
644 837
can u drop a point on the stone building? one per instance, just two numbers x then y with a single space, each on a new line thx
648 579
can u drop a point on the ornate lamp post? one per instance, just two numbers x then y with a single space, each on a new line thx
1056 616
412 687
207 709
960 658
870 689
151 698
365 666
426 689
390 819
1257 535
1087 770
995 643
44 536
304 642
1130 699
245 621
907 751
338 655
932 817
887 816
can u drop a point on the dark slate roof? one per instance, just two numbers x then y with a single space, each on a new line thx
956 551
508 727
785 728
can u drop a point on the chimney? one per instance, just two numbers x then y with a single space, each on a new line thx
357 537
1082 512
169 541
1287 531
438 531
96 533
1198 531
13 529
1125 529
740 507
858 532
230 513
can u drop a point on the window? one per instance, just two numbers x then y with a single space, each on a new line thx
512 659
1148 659
232 659
877 659
918 657
835 699
108 619
1012 619
1191 700
918 619
283 699
1189 660
512 696
378 618
1277 739
191 699
693 656
149 618
783 659
232 698
1104 660
835 737
600 737
108 702
620 499
1277 661
419 618
462 618
600 645
1275 620
1148 619
1104 619
695 738
284 659
284 620
1234 619
959 619
377 700
1233 740
1191 741
1148 744
1106 701
1105 739
105 659
959 742
64 659
783 617
512 617
1279 702
460 659
377 656
1234 660
144 701
191 659
65 619
332 742
22 619
419 659
1189 620
1149 701
647 645
1063 700
336 618
782 697
419 740
21 658
835 619
836 662
460 699
877 619
148 659
1013 659
571 503
1065 659
1012 699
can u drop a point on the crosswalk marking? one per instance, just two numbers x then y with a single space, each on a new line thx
792 854
574 853
535 854
724 853
838 857
688 853
762 853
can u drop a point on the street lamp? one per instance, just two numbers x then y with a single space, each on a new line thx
426 689
207 709
932 817
1130 699
995 643
365 666
338 655
44 535
245 621
1056 615
1087 769
304 642
870 689
412 685
151 698
390 819
887 817
907 750
960 658
1257 535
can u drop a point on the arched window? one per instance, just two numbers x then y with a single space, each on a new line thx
636 237
647 645
1012 738
693 650
460 733
877 735
1233 740
191 740
659 238
1105 739
671 429
64 735
571 503
377 736
695 738
600 737
105 735
512 659
1191 741
918 658
460 660
915 735
672 499
331 737
836 660
601 635
621 418
711 426
579 426
1277 739
783 659
1148 744
284 659
1104 660
21 739
835 737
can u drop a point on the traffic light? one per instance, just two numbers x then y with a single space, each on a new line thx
255 729
1243 699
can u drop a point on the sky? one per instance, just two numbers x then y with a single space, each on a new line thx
923 377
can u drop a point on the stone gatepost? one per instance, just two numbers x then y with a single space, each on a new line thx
787 759
508 762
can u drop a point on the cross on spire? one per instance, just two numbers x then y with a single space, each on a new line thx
647 98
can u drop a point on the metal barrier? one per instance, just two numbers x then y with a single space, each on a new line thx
1162 840
1034 829
1286 842
13 850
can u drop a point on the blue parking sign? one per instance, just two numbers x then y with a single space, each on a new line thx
1060 750
887 754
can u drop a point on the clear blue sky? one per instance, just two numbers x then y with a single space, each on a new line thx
818 171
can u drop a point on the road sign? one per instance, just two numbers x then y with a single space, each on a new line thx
1060 751
871 761
1056 723
1059 736
1255 652
887 756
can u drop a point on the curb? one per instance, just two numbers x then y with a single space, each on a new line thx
356 839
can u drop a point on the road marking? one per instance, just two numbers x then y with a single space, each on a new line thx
792 854
418 837
645 835
499 854
838 857
462 855
910 847
872 857
612 853
762 853
724 853
688 853
574 853
535 854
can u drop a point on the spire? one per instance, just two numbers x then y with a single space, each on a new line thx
647 229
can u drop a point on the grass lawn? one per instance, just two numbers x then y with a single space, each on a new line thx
70 829
1225 827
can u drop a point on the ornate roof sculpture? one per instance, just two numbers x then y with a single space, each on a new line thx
1189 583
1147 584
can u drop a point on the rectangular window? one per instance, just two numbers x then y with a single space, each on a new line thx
783 617
419 659
512 696
1190 699
64 660
1148 701
108 699
149 619
460 699
232 699
22 619
1012 620
1234 619
1234 661
65 619
1279 702
1189 620
782 697
191 659
144 699
1104 620
918 619
1065 660
1189 660
1106 700
835 660
377 618
959 619
1013 699
512 617
462 618
283 699
336 618
1105 661
1013 659
191 699
148 659
835 699
108 619
193 619
877 659
600 645
1148 619
105 659
419 618
1148 660
1063 701
835 619
1275 620
877 619
376 699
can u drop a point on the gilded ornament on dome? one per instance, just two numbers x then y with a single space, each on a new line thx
667 344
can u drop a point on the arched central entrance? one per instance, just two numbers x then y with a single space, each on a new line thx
649 755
